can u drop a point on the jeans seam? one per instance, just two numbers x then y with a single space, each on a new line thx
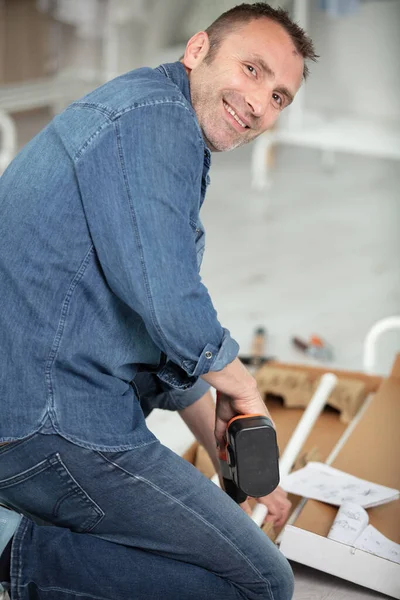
25 475
16 559
101 447
9 446
17 587
67 591
193 512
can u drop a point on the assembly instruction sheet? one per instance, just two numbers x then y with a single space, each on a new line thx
322 482
351 527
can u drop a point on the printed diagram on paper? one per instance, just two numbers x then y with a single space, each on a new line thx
351 527
326 484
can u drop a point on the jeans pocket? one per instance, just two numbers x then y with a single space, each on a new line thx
49 492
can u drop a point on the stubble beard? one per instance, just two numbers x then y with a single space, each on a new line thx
218 134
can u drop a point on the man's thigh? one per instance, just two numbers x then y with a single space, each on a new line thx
148 498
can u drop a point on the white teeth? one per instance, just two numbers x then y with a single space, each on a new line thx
234 115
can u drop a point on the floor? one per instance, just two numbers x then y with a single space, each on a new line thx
318 252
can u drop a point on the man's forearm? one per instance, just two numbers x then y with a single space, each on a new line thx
200 418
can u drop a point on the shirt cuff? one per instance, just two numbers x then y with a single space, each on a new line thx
180 399
212 358
153 393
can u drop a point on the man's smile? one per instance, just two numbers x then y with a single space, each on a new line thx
238 122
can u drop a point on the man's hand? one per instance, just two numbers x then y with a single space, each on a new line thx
278 507
229 407
240 396
200 418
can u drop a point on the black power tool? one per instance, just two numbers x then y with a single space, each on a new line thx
249 462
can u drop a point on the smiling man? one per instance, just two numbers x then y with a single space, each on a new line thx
243 72
104 316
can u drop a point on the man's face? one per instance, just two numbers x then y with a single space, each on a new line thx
254 75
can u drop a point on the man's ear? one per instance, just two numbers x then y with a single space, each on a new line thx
196 50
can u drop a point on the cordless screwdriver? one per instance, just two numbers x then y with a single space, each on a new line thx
249 461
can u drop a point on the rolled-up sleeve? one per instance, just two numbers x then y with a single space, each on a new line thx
153 393
139 181
211 359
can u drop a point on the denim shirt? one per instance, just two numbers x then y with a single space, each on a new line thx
100 248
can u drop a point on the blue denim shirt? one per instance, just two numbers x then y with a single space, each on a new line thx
100 248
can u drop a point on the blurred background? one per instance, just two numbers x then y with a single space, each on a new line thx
303 225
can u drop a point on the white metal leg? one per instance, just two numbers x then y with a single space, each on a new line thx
8 138
301 433
259 166
372 338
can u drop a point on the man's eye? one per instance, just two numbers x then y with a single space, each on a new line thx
278 100
252 70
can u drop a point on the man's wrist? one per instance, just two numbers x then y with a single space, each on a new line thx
234 380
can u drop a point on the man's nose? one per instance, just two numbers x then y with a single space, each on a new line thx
257 101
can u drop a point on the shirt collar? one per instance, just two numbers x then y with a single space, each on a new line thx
177 73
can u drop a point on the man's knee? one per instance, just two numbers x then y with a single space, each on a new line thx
282 582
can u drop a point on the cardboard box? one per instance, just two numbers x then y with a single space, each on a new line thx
296 386
371 452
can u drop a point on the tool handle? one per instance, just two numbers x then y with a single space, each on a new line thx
258 344
300 344
233 491
230 486
255 362
257 352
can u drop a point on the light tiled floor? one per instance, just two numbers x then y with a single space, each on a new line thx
319 252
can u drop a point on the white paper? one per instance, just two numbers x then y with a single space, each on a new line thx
350 521
373 541
351 527
324 483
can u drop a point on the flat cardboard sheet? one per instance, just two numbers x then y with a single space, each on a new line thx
371 452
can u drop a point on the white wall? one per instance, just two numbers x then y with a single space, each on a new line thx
359 68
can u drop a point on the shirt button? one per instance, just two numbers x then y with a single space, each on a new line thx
197 230
208 354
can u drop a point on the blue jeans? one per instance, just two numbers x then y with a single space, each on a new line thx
138 524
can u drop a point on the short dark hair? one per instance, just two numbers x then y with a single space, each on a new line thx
244 13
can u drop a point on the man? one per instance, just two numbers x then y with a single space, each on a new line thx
100 248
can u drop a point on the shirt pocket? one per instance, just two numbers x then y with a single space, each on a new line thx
48 492
200 240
